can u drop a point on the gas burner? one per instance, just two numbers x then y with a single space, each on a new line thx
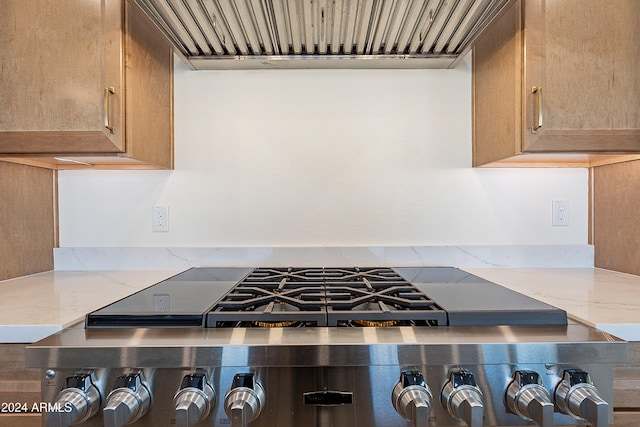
325 297
261 324
377 324
278 307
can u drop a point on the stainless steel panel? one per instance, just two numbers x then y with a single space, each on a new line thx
192 25
322 23
453 23
281 347
410 25
363 361
220 26
242 62
265 31
371 388
172 23
202 30
423 24
297 25
251 31
234 23
338 22
349 18
208 30
465 27
439 19
282 25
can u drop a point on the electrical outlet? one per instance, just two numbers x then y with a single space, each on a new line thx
160 219
161 303
560 213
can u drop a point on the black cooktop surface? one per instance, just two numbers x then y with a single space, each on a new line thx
322 296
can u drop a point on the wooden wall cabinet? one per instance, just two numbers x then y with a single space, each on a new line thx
84 83
556 82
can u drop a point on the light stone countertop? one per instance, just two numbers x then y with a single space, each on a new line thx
35 306
607 300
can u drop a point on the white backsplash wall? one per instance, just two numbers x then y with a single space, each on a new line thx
322 158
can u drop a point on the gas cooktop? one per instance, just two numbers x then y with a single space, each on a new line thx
327 346
324 296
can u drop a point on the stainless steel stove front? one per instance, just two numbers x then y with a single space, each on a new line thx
333 377
334 396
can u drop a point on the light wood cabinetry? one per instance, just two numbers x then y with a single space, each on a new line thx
626 383
20 385
557 82
626 419
27 219
84 83
616 209
626 389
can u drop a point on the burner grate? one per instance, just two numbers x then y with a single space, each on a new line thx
245 297
325 297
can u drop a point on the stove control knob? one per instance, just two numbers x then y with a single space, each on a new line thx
244 400
194 399
128 401
78 401
576 395
462 398
411 398
527 398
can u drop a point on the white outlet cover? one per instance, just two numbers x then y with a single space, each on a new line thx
560 213
160 219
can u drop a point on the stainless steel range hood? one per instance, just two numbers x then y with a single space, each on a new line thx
246 34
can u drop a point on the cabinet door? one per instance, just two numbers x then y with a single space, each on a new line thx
584 57
497 89
57 58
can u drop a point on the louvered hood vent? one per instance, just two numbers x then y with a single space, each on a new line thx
241 34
